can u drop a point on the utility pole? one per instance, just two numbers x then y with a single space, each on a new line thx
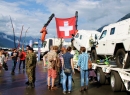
25 35
13 32
20 37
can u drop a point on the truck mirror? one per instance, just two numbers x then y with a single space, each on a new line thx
95 36
43 45
72 39
95 43
72 35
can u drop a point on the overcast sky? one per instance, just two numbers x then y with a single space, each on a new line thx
92 14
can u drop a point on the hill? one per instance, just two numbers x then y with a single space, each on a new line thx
8 40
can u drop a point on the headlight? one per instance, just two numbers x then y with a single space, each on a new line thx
42 53
36 52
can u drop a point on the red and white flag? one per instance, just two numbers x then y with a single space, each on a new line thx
65 27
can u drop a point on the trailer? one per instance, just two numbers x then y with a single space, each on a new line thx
119 78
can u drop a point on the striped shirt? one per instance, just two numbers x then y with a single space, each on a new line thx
83 61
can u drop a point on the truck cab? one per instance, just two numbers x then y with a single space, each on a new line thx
45 45
84 38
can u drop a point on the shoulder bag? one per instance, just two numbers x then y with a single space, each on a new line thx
67 70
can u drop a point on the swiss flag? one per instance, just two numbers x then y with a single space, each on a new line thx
65 27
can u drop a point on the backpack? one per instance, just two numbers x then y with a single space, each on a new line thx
56 64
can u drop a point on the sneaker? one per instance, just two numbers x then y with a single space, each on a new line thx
64 92
23 71
31 85
81 89
12 73
54 88
49 87
86 88
69 91
27 82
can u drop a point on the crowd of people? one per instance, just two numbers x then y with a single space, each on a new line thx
58 61
27 58
63 60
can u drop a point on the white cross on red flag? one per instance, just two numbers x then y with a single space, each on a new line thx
65 27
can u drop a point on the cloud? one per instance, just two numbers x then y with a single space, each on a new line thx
92 14
20 17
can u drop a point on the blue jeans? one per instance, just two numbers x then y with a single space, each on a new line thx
69 82
14 65
84 77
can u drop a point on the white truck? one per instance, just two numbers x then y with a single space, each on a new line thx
113 42
45 46
83 38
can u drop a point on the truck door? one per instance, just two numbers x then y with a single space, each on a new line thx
110 47
101 46
76 41
50 43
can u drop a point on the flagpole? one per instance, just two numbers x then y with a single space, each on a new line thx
25 36
76 16
60 44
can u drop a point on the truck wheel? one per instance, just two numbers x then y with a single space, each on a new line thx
100 76
116 82
94 56
123 87
120 54
127 61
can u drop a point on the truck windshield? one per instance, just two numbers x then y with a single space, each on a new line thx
103 34
35 46
77 35
44 43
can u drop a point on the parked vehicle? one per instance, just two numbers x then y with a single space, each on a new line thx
45 45
83 38
111 49
114 41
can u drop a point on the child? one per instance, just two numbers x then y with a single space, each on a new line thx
92 75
